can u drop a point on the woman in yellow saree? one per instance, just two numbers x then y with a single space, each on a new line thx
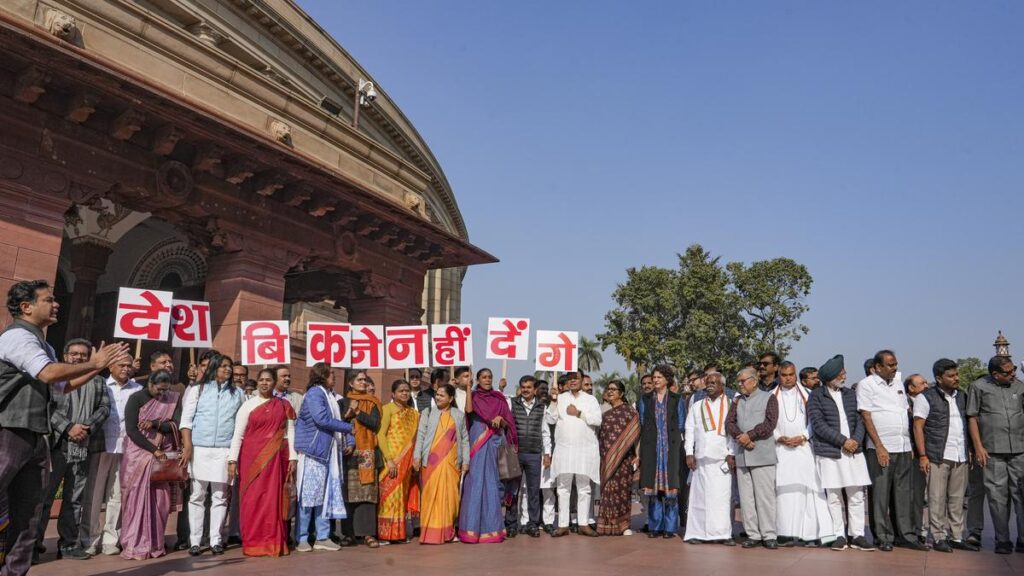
399 494
441 457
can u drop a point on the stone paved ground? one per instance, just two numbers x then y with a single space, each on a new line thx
569 556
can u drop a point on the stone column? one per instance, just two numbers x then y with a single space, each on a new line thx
31 231
241 286
390 303
88 262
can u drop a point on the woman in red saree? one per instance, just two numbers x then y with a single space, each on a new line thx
620 430
264 457
399 495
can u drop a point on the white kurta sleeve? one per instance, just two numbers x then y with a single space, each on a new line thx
688 437
591 412
292 454
551 414
188 406
241 421
545 436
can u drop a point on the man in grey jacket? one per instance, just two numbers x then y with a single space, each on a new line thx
77 422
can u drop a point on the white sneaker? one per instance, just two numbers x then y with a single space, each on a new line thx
628 532
325 545
304 547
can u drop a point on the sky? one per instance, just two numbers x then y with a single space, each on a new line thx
881 144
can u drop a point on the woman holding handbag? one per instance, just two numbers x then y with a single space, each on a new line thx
150 475
263 455
491 427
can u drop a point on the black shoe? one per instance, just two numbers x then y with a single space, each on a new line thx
72 553
593 526
533 532
40 548
1019 547
808 543
195 551
645 528
788 543
574 528
771 544
180 545
942 546
861 543
751 543
957 545
885 547
728 542
1004 548
346 542
840 544
974 540
234 541
668 535
217 549
549 528
914 545
652 534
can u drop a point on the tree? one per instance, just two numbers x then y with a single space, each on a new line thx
773 295
970 369
646 318
589 356
707 312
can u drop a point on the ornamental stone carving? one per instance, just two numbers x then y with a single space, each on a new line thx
60 24
281 131
174 184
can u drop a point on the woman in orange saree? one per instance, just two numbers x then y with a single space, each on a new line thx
441 457
266 461
399 495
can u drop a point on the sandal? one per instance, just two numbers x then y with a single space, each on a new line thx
371 542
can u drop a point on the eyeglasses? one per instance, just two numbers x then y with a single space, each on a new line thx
742 380
1012 370
769 363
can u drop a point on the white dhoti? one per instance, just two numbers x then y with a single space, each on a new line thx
710 504
800 502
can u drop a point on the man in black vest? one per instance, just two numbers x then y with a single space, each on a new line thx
28 368
528 411
943 447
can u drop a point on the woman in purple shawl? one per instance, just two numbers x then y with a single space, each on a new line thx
490 425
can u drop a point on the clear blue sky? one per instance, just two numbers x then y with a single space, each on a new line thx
879 143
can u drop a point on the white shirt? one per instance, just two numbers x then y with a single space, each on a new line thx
890 411
956 444
20 348
113 427
576 446
713 443
242 421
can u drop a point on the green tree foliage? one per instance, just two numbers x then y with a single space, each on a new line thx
707 311
970 369
589 355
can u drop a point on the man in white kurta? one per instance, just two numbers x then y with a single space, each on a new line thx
577 456
802 514
709 455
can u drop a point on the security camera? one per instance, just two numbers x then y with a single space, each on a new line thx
371 94
367 92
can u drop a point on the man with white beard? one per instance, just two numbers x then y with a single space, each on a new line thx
709 456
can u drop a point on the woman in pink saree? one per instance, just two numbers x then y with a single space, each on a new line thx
151 417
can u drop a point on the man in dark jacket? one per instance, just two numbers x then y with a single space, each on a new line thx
837 436
942 442
28 369
528 411
73 415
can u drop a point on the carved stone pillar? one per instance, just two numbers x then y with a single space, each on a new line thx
88 262
245 281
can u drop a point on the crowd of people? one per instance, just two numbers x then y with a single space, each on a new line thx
810 459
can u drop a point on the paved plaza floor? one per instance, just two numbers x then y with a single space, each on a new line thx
569 556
